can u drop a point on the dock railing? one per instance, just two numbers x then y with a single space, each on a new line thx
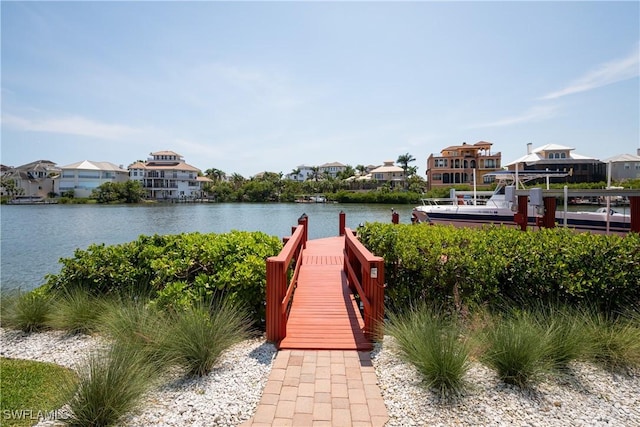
365 276
279 288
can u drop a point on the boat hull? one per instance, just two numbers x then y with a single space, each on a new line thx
581 221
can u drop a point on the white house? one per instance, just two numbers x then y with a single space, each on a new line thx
625 166
332 169
165 175
304 172
85 176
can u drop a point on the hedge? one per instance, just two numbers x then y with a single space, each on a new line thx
175 270
496 264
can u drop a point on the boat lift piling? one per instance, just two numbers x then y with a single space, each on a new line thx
548 218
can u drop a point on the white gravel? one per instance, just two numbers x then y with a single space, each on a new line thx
587 396
229 395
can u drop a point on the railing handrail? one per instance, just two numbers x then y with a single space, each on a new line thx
290 248
369 284
363 254
279 292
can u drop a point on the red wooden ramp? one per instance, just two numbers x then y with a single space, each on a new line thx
324 314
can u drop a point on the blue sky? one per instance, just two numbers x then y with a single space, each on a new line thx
251 86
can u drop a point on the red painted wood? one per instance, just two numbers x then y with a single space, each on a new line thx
324 314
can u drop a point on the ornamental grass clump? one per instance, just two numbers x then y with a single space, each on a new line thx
111 384
199 334
614 340
566 334
435 345
134 323
516 346
28 312
75 311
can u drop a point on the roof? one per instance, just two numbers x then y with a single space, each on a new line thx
623 158
165 153
387 168
332 164
89 165
538 155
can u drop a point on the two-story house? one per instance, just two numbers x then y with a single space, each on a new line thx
332 169
388 173
35 179
83 177
165 175
457 164
554 157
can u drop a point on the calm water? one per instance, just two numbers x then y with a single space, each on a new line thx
35 237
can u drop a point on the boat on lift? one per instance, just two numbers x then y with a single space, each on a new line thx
501 207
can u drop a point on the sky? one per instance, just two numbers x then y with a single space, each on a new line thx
247 87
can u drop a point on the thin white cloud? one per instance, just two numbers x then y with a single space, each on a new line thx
607 73
534 114
74 125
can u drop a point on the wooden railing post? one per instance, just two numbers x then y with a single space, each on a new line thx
341 223
634 207
276 289
376 299
522 216
304 220
549 219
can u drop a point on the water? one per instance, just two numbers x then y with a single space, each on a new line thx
34 237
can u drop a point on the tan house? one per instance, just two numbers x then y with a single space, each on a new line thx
456 165
165 175
35 179
388 172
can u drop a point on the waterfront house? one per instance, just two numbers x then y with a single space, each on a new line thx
625 166
554 157
35 179
304 172
388 173
456 165
83 177
332 169
166 176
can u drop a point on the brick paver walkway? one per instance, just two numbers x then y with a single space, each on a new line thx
321 388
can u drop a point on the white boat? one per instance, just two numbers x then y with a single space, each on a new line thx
500 209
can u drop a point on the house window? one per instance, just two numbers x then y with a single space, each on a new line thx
437 177
627 166
563 155
488 179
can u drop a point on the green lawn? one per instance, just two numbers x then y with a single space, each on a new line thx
28 390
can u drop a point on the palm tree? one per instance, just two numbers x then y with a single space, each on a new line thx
294 173
315 173
403 161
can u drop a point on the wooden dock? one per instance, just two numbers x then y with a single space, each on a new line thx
324 314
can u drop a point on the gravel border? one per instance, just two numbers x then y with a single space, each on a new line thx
587 396
229 395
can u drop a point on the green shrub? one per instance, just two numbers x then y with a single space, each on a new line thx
75 311
435 345
199 334
111 384
28 312
516 347
467 267
176 269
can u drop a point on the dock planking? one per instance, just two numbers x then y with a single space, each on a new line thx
324 314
